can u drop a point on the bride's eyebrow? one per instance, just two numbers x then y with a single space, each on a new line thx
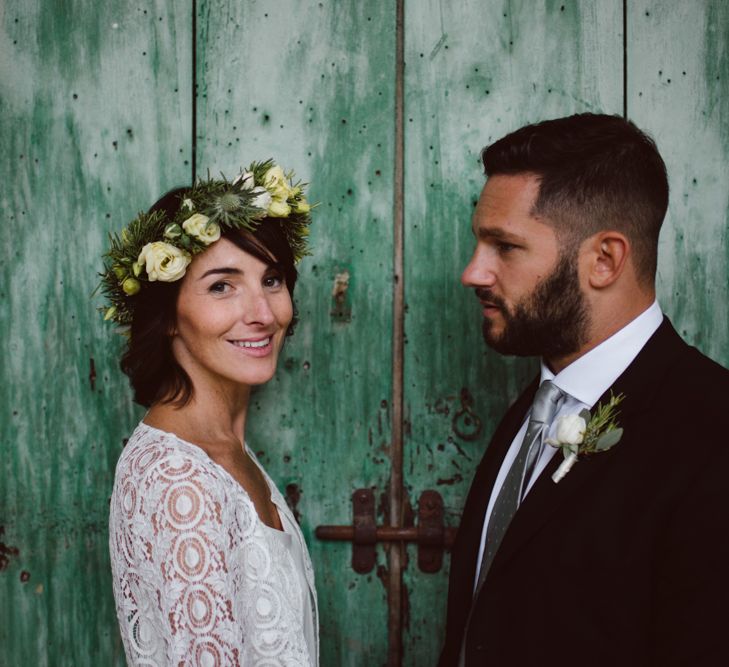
223 270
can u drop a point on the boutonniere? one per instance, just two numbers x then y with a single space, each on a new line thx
584 434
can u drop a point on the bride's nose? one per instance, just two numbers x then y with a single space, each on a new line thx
257 309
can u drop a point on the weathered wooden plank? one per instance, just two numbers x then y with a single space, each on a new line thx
475 70
95 105
96 122
678 90
311 85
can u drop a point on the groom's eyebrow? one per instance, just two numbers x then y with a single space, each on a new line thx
492 233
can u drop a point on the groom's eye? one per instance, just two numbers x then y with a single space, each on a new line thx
504 247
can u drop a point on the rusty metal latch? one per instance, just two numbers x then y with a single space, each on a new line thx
467 425
430 534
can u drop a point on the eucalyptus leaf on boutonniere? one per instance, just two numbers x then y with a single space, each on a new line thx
584 434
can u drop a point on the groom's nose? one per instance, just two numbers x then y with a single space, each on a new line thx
479 272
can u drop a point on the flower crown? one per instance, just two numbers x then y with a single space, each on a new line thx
155 247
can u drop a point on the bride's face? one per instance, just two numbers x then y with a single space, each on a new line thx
233 311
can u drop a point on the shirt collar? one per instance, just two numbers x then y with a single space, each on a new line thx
589 376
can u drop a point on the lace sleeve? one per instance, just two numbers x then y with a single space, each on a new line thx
170 557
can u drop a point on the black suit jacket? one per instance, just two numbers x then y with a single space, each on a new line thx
624 562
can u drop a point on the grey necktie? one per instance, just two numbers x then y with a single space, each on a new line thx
546 403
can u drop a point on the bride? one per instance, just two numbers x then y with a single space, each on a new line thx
209 566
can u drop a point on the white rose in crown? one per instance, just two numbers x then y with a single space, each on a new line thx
262 198
276 183
164 262
200 227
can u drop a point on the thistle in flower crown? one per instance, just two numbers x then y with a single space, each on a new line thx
155 247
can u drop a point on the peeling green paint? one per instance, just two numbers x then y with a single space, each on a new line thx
678 94
511 63
314 89
71 86
97 121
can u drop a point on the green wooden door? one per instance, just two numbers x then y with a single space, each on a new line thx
309 83
94 122
383 106
474 73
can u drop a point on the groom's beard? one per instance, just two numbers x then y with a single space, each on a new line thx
550 322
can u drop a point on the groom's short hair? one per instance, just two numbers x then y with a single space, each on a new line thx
596 172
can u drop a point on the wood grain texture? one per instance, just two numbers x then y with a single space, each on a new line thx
475 71
311 85
678 91
96 121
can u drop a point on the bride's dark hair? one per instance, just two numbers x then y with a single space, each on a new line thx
153 371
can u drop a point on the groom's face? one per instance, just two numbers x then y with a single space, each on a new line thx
527 283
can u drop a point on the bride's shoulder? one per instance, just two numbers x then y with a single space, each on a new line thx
173 484
151 452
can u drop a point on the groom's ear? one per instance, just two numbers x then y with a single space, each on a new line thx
605 257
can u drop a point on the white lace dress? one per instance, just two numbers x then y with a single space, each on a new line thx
198 578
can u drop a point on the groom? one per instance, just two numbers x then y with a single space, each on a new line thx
625 561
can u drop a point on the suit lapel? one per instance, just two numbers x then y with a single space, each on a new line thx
469 532
637 384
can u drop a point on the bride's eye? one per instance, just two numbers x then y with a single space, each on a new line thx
219 287
273 280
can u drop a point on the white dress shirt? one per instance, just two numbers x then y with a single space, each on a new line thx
584 381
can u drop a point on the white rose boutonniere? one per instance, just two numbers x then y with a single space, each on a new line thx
571 429
164 262
584 434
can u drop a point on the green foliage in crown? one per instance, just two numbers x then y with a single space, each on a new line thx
155 247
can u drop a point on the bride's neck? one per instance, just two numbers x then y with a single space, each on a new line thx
213 415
